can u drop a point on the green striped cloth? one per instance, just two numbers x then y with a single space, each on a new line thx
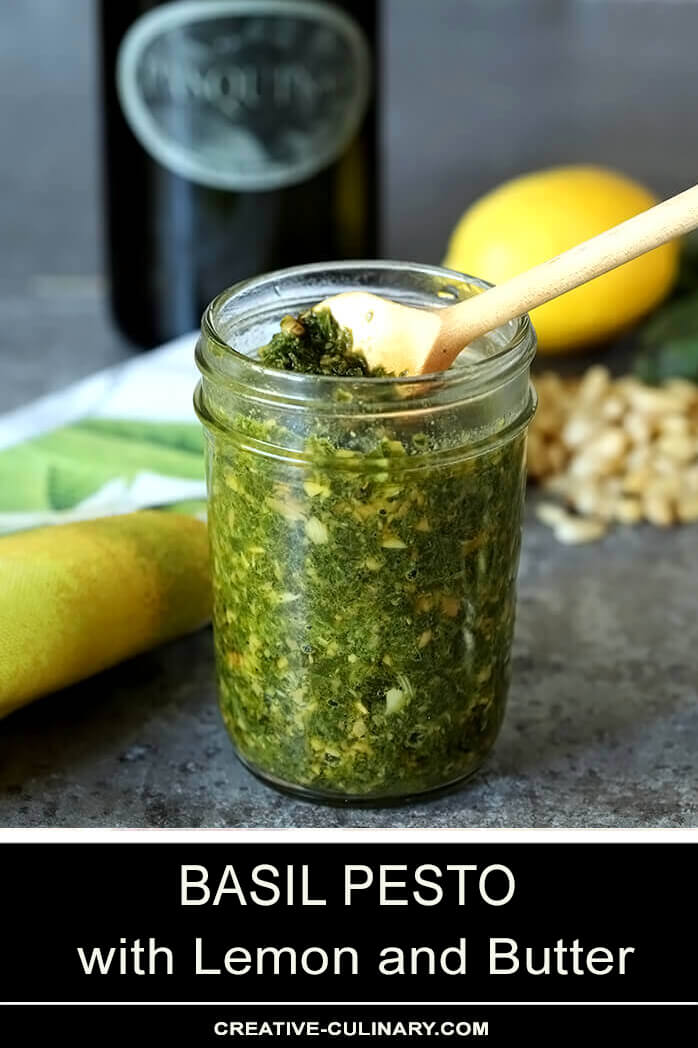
124 439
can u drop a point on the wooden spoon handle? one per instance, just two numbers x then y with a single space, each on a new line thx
476 316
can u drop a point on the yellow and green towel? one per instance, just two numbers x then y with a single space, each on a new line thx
78 598
101 584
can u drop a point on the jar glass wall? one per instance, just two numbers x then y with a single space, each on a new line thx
365 539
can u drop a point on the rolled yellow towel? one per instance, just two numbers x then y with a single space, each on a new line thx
77 598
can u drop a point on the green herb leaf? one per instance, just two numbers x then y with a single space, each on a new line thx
675 358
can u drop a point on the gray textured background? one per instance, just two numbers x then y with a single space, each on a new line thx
603 721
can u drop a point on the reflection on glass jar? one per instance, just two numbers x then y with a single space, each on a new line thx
365 538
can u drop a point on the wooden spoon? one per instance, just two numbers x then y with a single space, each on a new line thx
407 340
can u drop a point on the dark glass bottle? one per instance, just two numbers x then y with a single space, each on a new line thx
240 137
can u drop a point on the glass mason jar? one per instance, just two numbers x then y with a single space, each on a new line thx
365 538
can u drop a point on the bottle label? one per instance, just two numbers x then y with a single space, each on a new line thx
244 95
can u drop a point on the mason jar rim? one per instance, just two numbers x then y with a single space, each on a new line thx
221 362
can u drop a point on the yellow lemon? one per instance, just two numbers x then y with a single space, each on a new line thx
538 215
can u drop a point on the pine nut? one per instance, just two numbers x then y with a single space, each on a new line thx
676 425
679 448
658 510
664 486
595 383
638 427
551 513
614 450
613 408
588 500
635 482
650 400
687 508
574 531
628 511
689 479
557 457
578 430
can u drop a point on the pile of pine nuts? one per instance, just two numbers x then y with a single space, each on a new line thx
614 450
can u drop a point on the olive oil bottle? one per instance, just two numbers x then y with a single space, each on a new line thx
239 137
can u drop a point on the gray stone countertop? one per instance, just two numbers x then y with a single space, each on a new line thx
602 726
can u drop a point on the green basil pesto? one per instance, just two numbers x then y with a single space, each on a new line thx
315 344
364 596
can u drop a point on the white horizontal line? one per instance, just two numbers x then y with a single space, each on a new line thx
351 1004
310 836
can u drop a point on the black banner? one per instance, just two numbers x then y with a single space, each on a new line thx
348 922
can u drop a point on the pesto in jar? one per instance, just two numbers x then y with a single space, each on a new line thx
315 344
363 595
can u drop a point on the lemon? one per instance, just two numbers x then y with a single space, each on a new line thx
534 217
